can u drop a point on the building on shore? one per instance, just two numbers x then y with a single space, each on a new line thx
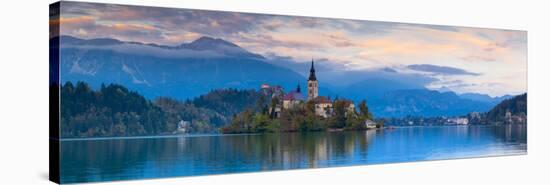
370 124
323 106
458 121
274 91
348 104
183 127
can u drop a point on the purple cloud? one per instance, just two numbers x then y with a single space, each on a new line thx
440 70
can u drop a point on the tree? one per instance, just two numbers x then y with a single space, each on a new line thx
364 110
273 107
261 122
339 118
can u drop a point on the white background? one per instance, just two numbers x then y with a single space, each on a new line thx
24 91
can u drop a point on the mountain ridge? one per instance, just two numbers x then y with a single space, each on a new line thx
152 74
186 77
484 97
202 43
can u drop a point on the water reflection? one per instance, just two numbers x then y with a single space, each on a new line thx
99 160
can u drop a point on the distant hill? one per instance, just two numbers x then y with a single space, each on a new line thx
516 108
229 102
113 110
389 98
484 97
423 102
375 88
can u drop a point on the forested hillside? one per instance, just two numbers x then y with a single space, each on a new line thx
113 111
512 110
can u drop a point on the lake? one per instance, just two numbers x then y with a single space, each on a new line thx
153 157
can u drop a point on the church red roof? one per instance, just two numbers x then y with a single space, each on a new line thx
293 95
322 99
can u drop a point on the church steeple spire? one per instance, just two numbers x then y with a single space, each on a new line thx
312 76
312 84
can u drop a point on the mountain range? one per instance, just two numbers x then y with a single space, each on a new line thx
182 72
484 97
191 69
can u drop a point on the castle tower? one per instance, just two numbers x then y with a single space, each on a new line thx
312 84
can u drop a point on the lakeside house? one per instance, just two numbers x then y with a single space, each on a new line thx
323 106
183 127
370 124
458 121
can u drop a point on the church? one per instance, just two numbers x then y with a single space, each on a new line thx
323 104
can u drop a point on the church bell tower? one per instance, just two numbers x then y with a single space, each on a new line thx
312 84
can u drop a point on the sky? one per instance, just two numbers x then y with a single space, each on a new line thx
460 59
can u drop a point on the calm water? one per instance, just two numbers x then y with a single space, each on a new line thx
123 159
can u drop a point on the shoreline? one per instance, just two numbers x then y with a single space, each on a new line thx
240 134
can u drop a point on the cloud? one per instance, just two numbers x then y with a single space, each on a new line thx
389 70
262 40
77 21
338 74
343 44
146 50
151 24
440 70
90 27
